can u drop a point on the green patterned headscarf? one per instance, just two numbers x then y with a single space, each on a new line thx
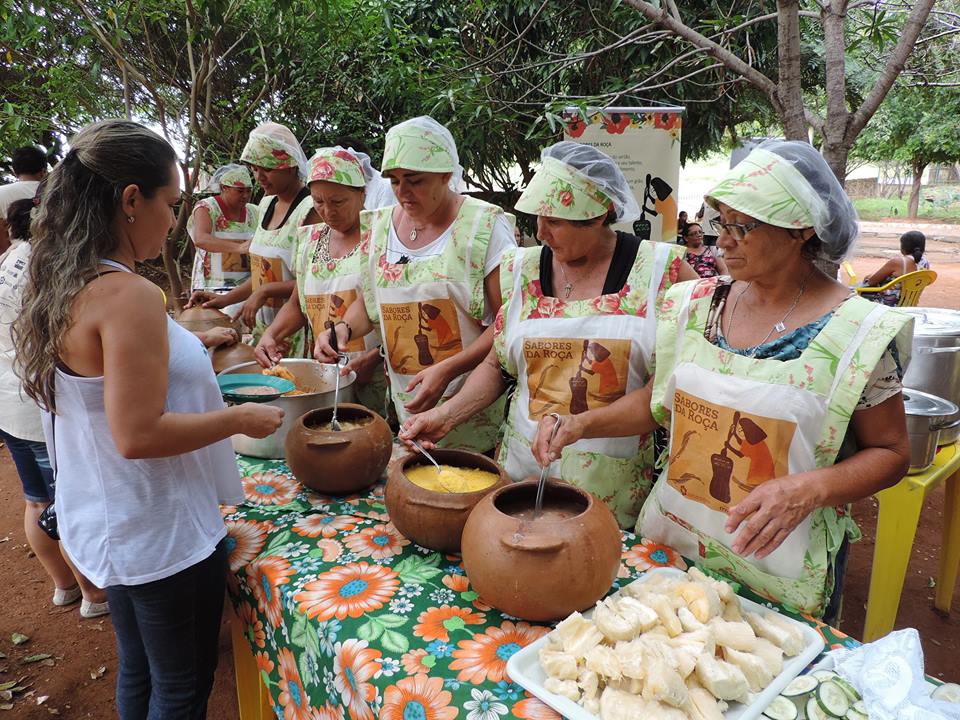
558 190
421 144
788 184
274 147
337 165
231 175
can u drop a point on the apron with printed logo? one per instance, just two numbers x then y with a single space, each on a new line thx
431 309
216 271
272 260
570 356
326 291
737 422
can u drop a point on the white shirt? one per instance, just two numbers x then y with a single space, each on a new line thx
129 522
501 240
20 416
20 190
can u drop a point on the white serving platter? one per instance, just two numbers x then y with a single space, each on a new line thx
524 666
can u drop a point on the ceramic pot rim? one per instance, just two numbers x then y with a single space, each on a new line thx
352 409
552 482
440 453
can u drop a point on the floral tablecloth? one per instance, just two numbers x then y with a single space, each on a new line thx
348 619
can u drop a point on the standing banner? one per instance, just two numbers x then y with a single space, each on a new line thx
645 143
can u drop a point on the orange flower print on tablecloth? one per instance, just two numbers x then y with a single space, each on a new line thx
534 709
331 549
457 583
484 658
649 554
293 699
270 488
265 575
347 591
245 540
253 629
264 663
412 662
377 542
420 697
329 712
436 623
353 665
326 525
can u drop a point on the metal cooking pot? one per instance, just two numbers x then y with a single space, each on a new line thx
311 374
935 365
927 415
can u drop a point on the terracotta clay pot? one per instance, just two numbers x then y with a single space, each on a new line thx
338 463
431 519
230 355
541 569
198 319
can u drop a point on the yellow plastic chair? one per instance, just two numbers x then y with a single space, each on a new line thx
911 286
851 273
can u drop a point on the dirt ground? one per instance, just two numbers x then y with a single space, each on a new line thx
77 681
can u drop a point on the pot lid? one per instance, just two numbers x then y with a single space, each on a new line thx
924 404
936 322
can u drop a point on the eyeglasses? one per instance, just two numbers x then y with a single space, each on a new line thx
695 233
735 230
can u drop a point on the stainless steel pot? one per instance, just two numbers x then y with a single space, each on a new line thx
927 415
309 374
935 365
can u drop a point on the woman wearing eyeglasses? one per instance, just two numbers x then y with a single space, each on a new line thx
705 261
782 357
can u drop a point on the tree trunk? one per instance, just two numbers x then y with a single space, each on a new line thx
788 88
170 257
913 204
836 156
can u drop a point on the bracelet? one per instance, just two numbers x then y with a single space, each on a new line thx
349 329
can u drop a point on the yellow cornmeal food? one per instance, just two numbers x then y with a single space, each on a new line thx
451 479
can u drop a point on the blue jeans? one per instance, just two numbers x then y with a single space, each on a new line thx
167 641
33 467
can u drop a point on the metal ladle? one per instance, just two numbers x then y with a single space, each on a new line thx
430 457
542 484
341 361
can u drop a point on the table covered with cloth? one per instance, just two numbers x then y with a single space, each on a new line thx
346 618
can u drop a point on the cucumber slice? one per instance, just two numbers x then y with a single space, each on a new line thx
823 675
849 689
949 692
781 708
832 699
855 715
860 707
814 711
800 685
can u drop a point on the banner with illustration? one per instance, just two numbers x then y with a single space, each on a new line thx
420 334
645 143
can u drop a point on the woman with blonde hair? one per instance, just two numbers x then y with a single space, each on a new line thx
137 430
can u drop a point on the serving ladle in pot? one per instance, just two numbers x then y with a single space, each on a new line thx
542 484
341 362
430 457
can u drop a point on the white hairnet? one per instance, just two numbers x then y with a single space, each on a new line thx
378 191
599 169
234 171
424 145
267 144
834 217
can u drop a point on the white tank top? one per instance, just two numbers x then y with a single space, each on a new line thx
129 522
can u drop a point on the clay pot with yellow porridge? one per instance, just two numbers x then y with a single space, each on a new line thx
430 508
339 462
541 567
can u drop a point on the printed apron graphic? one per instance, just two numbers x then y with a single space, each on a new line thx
420 334
331 307
234 263
718 455
266 270
570 376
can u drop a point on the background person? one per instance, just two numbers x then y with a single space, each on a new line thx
29 165
22 430
912 246
705 261
221 228
137 427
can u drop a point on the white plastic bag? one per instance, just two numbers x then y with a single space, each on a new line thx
888 674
